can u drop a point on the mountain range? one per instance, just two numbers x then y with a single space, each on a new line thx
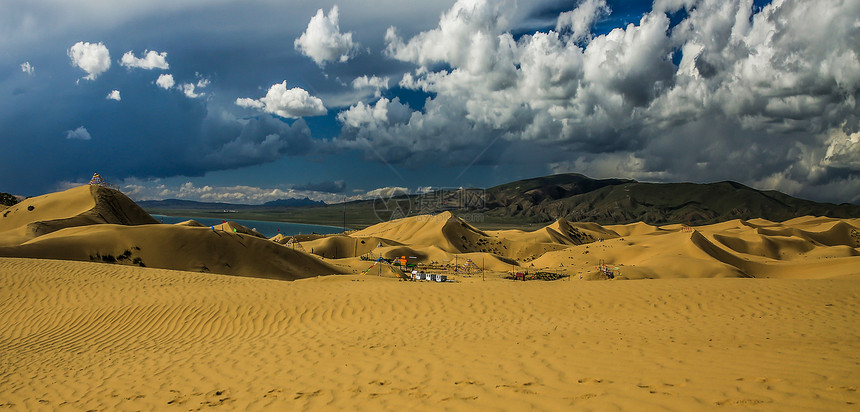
610 201
542 200
195 205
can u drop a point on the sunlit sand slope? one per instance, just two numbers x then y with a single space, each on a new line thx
94 223
79 206
808 247
198 249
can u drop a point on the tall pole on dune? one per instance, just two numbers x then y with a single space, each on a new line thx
344 213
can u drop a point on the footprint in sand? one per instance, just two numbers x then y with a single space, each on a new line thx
217 397
178 398
585 396
842 388
591 381
274 393
521 388
740 402
300 395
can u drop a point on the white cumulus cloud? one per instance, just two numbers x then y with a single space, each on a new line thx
28 68
93 58
729 91
80 133
580 19
165 81
151 60
377 84
323 42
114 95
290 103
189 89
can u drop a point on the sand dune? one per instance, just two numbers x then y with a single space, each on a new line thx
561 232
191 223
172 247
812 247
79 206
339 246
86 336
444 230
93 223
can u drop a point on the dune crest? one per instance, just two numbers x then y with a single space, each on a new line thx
79 206
95 223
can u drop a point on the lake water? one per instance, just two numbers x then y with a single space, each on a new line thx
268 229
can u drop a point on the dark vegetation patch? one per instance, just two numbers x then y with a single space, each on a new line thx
7 199
125 258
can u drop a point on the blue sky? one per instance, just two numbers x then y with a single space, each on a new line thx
257 100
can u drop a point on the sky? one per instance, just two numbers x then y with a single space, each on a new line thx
256 100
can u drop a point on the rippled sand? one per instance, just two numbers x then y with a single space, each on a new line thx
88 336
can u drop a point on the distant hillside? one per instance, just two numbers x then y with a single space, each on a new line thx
293 203
542 200
194 205
610 201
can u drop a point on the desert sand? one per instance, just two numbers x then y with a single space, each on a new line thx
91 336
803 248
104 309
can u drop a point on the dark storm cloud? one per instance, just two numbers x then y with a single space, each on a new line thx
328 186
698 90
151 132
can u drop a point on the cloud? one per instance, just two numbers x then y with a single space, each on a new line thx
384 113
289 103
465 34
254 141
26 67
323 42
754 93
376 83
151 60
93 58
386 192
155 189
580 20
328 186
139 189
189 89
165 81
114 95
80 133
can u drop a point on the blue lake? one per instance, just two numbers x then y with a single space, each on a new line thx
268 229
